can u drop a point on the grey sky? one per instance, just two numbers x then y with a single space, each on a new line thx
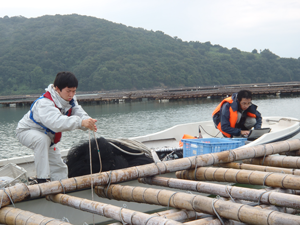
244 24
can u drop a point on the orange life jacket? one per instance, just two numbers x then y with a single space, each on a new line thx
186 136
233 115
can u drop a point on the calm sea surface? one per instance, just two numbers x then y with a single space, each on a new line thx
135 119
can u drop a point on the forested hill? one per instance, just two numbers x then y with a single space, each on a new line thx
106 56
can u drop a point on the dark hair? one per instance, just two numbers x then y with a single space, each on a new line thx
65 79
244 94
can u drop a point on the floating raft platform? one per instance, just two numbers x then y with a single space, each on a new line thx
165 95
277 201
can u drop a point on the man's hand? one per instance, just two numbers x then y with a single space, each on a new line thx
245 132
90 124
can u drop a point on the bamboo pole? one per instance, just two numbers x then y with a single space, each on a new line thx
246 166
276 161
14 194
280 209
132 173
177 215
269 196
110 211
205 221
13 216
242 176
182 215
166 212
212 221
293 153
229 210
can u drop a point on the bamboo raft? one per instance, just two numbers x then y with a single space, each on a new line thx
271 197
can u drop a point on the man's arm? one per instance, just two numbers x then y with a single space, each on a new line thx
87 121
46 113
258 120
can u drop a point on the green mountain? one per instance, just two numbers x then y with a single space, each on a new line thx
107 56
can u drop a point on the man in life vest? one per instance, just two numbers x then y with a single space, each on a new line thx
236 115
57 110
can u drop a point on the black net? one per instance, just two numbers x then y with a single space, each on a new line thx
78 159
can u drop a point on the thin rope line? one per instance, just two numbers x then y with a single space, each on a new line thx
224 175
263 161
120 214
190 162
269 216
214 174
227 190
132 215
259 197
205 172
193 206
235 177
288 145
144 194
76 184
217 214
91 170
149 219
49 221
254 152
9 198
266 178
249 177
283 180
157 196
62 186
65 219
238 213
98 150
165 166
170 199
132 193
158 168
108 183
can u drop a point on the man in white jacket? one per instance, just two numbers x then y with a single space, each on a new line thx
57 110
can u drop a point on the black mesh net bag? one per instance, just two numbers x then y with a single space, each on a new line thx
78 159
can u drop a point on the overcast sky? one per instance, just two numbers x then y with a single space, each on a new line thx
244 24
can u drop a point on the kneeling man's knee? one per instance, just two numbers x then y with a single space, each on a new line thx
250 122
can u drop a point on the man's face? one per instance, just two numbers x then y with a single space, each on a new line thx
66 93
245 103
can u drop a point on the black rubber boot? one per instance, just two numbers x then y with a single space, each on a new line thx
41 180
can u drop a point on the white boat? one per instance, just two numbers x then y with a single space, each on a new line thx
281 129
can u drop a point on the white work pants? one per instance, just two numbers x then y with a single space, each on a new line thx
48 161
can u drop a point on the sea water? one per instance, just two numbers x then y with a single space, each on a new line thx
124 120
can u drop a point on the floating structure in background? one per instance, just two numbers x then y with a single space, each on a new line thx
165 95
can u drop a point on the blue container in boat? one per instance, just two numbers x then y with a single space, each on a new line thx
243 140
193 147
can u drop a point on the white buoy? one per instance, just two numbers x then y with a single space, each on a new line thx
163 100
